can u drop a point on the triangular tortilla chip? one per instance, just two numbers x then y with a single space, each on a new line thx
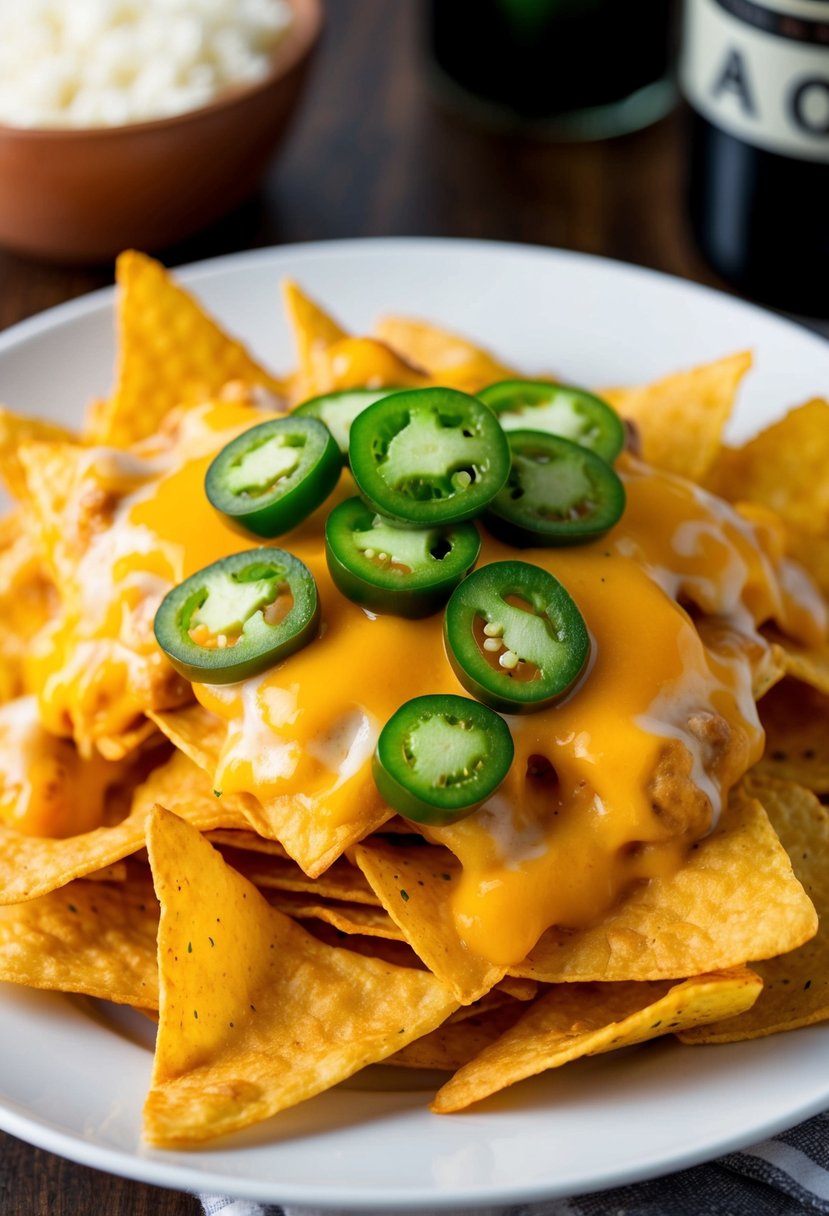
449 358
34 865
16 430
255 1014
796 985
415 887
576 1020
783 468
310 834
88 937
681 418
314 329
171 354
735 900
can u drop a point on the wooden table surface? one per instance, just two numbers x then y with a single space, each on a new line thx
371 155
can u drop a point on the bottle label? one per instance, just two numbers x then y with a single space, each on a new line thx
759 70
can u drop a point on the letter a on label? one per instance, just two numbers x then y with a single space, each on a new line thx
733 78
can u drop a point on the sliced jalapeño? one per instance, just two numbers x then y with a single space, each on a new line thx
406 572
428 457
440 756
339 409
557 494
238 616
514 637
271 477
558 409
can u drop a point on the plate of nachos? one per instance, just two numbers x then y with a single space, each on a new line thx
410 688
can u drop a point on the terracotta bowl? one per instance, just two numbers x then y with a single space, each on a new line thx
82 195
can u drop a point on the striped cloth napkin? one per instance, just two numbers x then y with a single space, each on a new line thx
785 1176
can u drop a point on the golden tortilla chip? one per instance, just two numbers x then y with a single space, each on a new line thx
809 666
314 330
255 1014
735 900
783 468
796 721
455 1043
449 358
681 418
15 430
340 881
55 474
46 787
245 840
348 918
796 985
576 1020
813 554
415 887
34 865
87 937
309 833
194 731
171 354
28 599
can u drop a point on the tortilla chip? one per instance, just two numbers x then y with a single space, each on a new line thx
796 985
89 938
34 865
576 1020
340 881
255 1014
171 354
813 554
796 721
194 731
809 666
28 599
681 418
736 900
348 918
246 841
54 473
309 834
314 330
449 358
784 468
415 887
454 1044
16 430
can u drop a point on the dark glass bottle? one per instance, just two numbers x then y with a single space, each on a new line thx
756 74
586 68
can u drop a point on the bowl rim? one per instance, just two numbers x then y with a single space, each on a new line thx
295 47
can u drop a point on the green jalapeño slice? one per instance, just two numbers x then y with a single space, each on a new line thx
439 757
407 572
239 616
557 409
270 478
557 494
338 410
428 457
514 637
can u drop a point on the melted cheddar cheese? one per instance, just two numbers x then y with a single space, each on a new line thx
608 788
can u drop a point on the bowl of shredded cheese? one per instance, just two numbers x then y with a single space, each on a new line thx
139 122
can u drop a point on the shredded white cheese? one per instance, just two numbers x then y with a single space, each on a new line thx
103 63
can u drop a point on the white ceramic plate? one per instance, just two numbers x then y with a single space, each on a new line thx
73 1077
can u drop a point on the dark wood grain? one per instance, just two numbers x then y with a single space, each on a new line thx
372 155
